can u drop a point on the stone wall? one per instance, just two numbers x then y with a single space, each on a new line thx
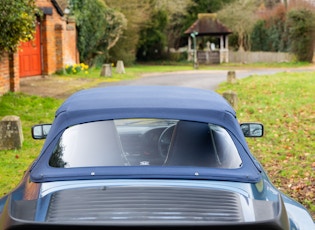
58 38
255 57
9 74
4 74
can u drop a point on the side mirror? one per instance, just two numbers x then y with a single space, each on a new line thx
40 131
252 129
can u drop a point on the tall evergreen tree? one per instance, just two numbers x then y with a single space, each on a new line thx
153 38
259 37
270 33
302 33
99 28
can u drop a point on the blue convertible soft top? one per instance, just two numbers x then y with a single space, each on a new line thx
152 100
146 102
145 97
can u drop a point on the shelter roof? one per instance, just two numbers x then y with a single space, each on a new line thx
208 24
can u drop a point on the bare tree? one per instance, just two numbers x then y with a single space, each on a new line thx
174 6
136 13
240 16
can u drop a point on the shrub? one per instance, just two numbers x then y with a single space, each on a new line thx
76 68
99 28
17 22
301 33
270 32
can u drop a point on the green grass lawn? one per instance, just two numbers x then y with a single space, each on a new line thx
284 102
136 71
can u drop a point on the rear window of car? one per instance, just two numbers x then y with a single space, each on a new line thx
145 142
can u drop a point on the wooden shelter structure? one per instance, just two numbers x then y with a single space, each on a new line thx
208 25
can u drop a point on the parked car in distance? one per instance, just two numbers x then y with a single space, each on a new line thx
148 157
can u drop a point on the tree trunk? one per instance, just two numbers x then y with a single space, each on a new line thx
11 71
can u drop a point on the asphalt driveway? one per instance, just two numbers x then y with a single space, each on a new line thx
197 79
205 79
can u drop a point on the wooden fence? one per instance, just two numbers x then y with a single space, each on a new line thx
254 57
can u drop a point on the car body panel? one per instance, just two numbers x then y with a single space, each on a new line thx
165 193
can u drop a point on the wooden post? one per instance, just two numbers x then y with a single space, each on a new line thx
231 97
231 77
106 70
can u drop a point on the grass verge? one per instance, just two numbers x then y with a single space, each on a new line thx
31 110
285 104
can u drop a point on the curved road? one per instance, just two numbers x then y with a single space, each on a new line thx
204 79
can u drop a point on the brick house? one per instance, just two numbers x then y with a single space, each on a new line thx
54 46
